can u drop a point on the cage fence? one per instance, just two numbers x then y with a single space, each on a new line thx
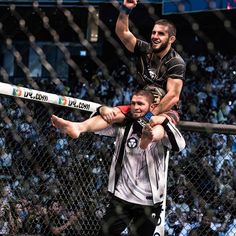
50 182
48 178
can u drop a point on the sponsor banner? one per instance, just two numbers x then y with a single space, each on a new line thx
29 94
74 103
40 96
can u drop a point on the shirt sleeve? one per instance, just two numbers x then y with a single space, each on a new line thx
176 68
141 47
175 137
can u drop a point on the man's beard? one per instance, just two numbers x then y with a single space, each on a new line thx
161 48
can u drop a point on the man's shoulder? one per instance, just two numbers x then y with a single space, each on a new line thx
174 56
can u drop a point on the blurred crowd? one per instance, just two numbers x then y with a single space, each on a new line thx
51 184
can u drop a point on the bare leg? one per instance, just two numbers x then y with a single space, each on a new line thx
74 129
150 134
145 140
65 126
153 131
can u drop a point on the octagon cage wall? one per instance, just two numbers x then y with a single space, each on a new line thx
41 167
51 184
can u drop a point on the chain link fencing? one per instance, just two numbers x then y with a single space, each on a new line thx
51 183
49 179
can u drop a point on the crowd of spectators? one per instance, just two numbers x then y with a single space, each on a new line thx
42 169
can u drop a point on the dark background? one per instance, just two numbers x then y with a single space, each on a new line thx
210 24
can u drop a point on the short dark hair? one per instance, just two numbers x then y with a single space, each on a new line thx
145 93
170 24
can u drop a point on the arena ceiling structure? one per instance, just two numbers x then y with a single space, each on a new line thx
198 22
168 6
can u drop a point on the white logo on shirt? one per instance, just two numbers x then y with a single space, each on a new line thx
132 142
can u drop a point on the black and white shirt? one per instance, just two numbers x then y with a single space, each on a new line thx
143 176
153 71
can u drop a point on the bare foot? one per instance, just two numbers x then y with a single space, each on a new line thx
68 127
146 137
